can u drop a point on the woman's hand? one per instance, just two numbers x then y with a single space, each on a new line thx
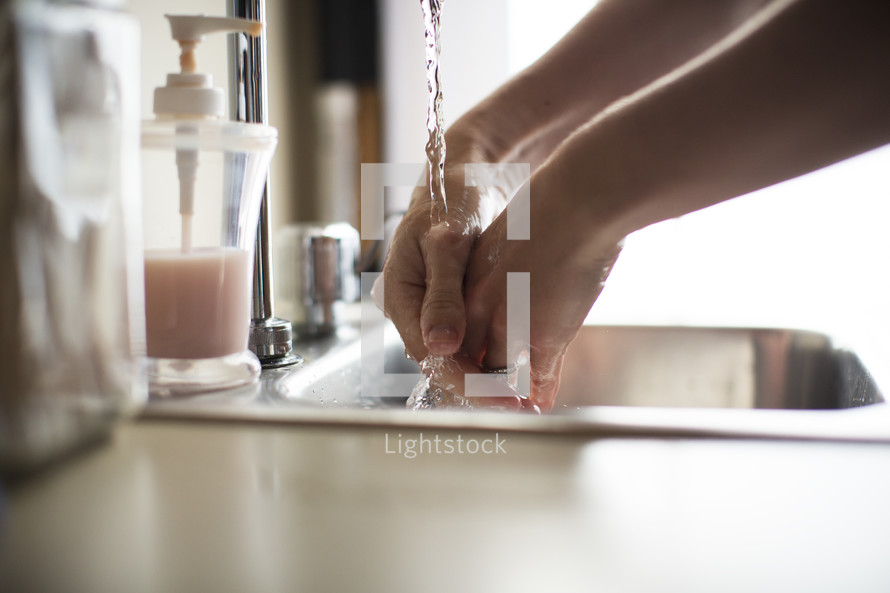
568 258
523 122
716 128
424 271
423 277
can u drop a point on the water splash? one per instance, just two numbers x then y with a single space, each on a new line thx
435 123
430 392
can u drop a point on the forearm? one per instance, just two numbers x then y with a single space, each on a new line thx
618 48
804 86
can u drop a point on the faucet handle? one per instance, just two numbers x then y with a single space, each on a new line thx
322 275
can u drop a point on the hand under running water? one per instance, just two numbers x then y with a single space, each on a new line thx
423 275
645 111
566 276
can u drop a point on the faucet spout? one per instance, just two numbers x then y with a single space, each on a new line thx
271 339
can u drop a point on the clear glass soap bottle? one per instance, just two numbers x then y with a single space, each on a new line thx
203 179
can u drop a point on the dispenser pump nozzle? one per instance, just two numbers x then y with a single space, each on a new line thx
191 94
193 28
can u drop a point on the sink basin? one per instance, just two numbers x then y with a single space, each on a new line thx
617 380
630 366
712 368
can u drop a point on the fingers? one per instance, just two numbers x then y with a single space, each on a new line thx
545 373
496 355
485 293
403 291
451 377
403 305
486 329
476 334
442 317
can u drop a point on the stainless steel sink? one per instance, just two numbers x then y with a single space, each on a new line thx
617 380
633 366
712 368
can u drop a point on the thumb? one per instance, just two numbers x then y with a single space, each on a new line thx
442 317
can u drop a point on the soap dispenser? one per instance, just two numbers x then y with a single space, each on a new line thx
203 178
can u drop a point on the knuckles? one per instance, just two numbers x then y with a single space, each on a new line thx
448 236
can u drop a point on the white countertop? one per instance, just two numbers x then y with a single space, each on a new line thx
196 506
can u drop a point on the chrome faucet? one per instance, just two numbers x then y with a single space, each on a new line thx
271 339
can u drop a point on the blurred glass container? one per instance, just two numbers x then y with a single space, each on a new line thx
316 277
71 298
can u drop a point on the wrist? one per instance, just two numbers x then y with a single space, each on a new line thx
475 138
579 205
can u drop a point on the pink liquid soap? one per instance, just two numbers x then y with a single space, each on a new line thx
197 304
